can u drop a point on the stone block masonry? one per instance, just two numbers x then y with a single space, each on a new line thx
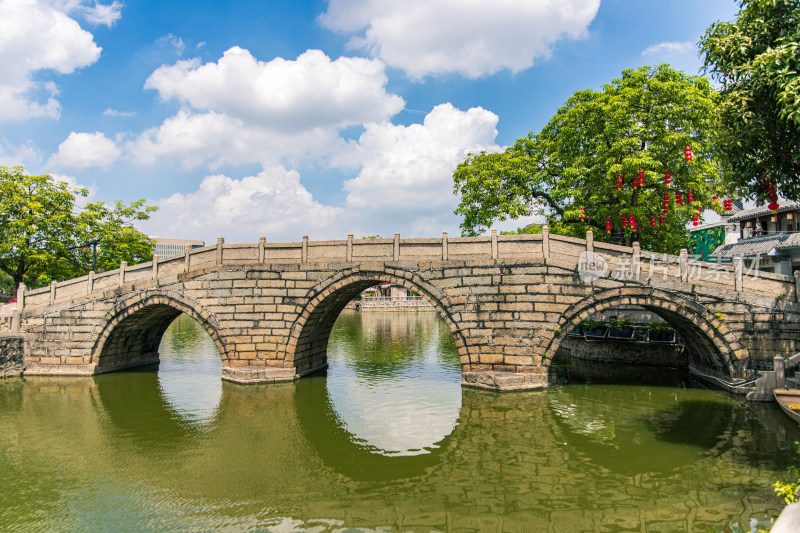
507 300
11 356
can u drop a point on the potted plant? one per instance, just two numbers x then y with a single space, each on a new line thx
594 328
660 332
621 329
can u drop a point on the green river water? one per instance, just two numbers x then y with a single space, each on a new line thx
386 440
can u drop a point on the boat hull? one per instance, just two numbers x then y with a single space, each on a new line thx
789 400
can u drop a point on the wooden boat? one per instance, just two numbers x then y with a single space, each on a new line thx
789 400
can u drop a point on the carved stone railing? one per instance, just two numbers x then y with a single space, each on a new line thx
649 268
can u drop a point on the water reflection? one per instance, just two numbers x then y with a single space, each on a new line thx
394 380
189 370
115 450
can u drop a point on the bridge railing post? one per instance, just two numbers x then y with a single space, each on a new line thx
349 247
90 282
21 297
737 274
494 244
444 246
220 242
304 250
122 266
589 241
797 285
155 266
187 249
396 253
683 265
262 249
779 365
636 260
53 292
546 242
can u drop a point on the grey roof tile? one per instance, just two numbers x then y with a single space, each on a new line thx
762 210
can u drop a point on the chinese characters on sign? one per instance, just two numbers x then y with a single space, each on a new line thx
592 266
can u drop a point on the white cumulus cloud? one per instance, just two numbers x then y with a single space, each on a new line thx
38 35
474 38
411 167
272 203
215 139
83 150
284 95
23 154
669 48
105 14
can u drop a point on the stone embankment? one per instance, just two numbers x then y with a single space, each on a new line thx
11 352
624 352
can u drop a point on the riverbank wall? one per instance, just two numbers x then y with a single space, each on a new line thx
624 352
11 354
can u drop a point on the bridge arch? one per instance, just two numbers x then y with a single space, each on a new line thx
306 349
131 331
709 341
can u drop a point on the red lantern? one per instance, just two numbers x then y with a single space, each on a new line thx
678 198
632 222
583 214
687 152
608 225
652 221
619 181
773 207
661 219
641 178
690 196
667 178
715 197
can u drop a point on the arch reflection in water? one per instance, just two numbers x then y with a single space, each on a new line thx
189 370
394 380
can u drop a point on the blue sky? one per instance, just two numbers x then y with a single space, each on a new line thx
284 118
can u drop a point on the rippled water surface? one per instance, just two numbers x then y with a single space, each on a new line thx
387 440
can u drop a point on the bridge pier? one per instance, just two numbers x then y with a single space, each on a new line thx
505 381
252 375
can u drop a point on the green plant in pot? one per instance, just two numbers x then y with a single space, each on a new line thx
660 332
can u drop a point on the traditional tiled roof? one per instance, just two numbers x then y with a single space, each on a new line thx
762 210
791 241
755 246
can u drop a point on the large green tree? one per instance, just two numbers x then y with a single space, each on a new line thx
45 237
642 121
756 59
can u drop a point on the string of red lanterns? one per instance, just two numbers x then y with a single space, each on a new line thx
639 181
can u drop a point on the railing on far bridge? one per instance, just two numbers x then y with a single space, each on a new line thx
387 302
631 263
9 320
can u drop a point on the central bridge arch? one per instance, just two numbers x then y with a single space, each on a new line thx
306 349
131 331
708 339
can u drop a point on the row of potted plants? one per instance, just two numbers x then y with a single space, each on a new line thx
618 328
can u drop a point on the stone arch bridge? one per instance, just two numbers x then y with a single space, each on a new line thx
508 300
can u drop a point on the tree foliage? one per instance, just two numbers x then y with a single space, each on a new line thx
790 491
640 122
756 59
44 237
